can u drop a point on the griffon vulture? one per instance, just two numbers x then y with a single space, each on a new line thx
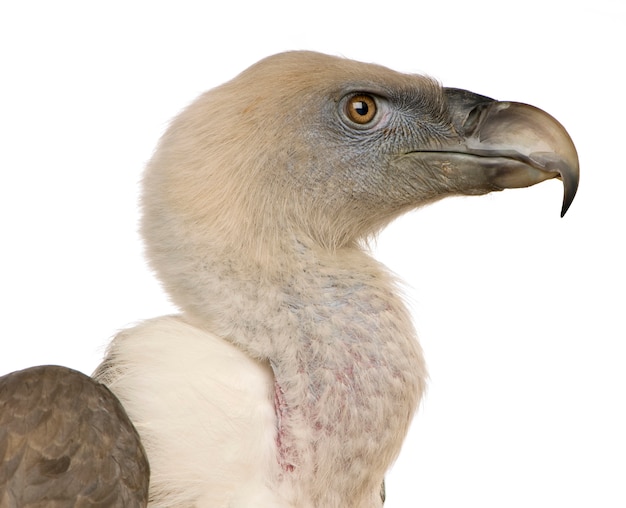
291 374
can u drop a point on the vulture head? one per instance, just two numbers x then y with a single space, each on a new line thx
305 148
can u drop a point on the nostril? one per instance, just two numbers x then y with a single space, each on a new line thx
466 109
472 119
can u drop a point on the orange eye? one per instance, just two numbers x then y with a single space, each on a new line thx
361 109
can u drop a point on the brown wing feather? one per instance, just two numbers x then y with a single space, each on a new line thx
65 440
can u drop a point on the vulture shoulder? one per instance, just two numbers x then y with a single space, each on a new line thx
65 440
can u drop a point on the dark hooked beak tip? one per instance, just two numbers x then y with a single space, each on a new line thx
570 179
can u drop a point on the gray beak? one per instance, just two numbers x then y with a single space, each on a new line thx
518 145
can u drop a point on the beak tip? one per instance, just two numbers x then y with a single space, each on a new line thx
567 201
564 209
570 186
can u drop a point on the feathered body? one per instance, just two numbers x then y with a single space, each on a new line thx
290 376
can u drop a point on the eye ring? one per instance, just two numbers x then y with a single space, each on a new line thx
361 109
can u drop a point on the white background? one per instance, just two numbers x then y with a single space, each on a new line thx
520 313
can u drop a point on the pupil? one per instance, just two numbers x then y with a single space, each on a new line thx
361 108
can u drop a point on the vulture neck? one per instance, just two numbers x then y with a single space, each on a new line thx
348 370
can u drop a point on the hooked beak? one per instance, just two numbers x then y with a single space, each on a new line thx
506 145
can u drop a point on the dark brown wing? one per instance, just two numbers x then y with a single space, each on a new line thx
65 440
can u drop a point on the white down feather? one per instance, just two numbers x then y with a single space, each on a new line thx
204 410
